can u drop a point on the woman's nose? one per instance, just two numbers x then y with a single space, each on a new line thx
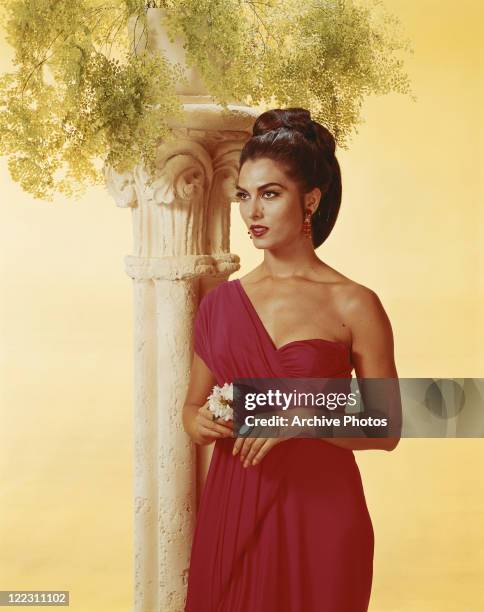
255 209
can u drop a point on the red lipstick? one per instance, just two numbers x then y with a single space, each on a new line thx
259 230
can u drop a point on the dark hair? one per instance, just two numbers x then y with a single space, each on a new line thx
306 149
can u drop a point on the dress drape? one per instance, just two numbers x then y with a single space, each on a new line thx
292 533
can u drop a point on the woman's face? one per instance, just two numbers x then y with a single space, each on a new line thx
267 197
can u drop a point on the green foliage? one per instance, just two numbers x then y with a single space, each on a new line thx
71 104
80 96
341 52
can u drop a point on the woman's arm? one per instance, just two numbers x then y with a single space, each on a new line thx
372 352
197 421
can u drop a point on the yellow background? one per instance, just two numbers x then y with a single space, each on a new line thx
410 228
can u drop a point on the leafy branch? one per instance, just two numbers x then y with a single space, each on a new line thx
83 93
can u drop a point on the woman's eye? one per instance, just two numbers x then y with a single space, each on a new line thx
240 195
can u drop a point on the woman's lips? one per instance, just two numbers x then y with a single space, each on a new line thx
259 231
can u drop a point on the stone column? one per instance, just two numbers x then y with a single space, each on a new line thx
181 232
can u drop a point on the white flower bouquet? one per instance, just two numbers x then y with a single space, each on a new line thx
220 402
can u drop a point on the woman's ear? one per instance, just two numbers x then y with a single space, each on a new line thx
312 199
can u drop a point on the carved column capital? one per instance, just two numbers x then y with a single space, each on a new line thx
184 210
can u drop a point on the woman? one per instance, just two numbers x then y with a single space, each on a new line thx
283 523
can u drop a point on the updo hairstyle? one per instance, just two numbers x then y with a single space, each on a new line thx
306 150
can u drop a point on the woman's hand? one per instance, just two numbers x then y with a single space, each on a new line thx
252 450
205 430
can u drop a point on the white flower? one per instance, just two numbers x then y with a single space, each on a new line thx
220 401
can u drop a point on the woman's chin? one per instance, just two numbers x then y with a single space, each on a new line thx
261 242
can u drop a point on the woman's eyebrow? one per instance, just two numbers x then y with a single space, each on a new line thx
261 186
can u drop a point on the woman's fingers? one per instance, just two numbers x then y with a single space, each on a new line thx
207 413
215 427
210 433
270 443
253 450
205 420
237 445
243 444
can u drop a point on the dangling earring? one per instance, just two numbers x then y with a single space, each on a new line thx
307 224
250 235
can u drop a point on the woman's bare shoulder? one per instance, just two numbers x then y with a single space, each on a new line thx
328 275
349 294
363 313
360 305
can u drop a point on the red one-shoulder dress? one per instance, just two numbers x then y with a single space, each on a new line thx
292 533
